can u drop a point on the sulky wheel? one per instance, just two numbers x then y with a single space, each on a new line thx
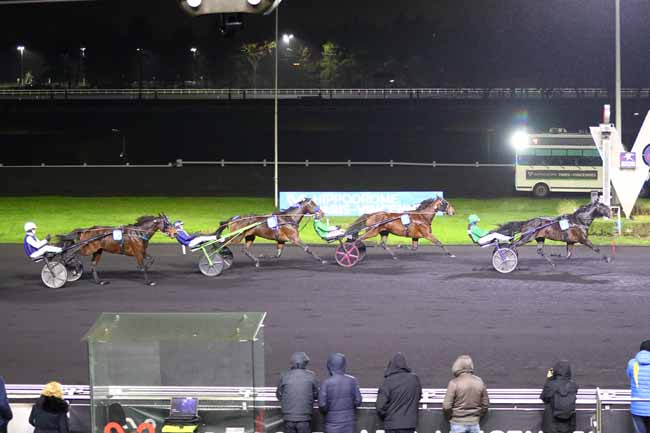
75 271
504 260
214 269
54 275
227 256
347 254
362 250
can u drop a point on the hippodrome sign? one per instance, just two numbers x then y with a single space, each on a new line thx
359 203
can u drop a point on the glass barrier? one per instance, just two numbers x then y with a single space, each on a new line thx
178 351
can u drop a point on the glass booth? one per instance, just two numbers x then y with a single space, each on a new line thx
138 362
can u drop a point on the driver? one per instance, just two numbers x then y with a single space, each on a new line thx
325 231
35 248
188 240
480 236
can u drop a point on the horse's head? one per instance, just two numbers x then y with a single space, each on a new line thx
601 210
446 207
434 205
163 224
309 207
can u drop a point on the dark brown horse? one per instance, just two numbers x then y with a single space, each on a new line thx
284 228
576 229
134 241
418 225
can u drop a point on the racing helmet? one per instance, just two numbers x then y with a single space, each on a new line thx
29 226
178 224
473 219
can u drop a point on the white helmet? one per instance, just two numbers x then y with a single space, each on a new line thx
29 226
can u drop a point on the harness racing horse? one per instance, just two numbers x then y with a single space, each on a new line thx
281 227
542 228
417 227
130 240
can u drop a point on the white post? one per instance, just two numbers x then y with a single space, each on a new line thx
275 129
605 130
619 123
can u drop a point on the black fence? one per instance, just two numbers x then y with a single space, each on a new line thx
253 180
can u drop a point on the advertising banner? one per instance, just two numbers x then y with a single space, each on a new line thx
561 174
358 203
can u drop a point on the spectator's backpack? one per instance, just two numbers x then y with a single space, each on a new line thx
564 401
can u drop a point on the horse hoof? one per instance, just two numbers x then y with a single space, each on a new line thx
452 256
394 258
151 283
257 265
608 260
323 262
103 282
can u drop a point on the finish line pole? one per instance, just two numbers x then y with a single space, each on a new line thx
275 129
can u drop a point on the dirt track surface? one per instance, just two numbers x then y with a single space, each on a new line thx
427 305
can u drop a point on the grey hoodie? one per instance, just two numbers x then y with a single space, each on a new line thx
297 389
466 400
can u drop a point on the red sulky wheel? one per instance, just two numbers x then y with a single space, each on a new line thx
347 254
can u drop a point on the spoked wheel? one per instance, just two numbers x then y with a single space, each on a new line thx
362 250
75 271
347 254
54 275
227 256
212 270
504 260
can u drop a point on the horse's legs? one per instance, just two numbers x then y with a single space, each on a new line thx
540 251
295 239
384 238
570 246
414 244
247 247
97 255
280 249
142 260
586 242
435 241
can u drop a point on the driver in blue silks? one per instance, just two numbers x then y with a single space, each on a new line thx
188 240
34 247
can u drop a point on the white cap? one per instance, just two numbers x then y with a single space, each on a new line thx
29 226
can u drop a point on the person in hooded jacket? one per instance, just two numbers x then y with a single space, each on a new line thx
638 371
399 396
339 397
5 409
50 412
296 391
558 381
466 399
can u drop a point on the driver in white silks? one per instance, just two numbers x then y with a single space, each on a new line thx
187 239
35 248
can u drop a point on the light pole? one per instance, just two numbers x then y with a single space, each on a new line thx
82 72
619 123
275 126
194 50
123 152
140 71
21 49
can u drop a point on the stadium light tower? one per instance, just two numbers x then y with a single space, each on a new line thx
520 139
21 49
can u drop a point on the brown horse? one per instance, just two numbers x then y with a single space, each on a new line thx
134 241
284 228
417 227
575 232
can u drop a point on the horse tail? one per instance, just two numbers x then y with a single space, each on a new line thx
510 228
358 224
223 225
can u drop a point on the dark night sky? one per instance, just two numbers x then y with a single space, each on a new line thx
508 43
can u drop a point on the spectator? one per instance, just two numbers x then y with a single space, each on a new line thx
559 397
466 400
339 397
296 391
638 370
50 412
399 397
5 409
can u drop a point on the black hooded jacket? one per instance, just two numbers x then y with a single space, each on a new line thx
339 396
297 389
561 379
399 396
49 415
5 409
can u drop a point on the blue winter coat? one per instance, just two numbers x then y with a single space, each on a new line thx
5 409
339 397
638 370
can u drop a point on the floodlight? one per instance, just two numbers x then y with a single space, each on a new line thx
520 139
20 48
194 3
